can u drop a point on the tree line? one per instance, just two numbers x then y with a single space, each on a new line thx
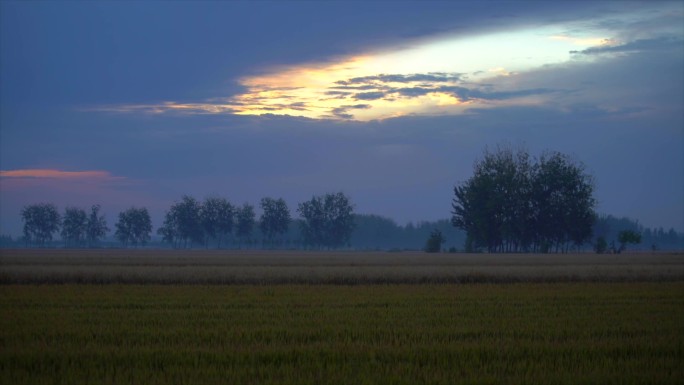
325 222
374 232
511 203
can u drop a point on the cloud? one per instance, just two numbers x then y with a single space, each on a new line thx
208 107
444 74
57 174
369 95
641 45
432 77
342 112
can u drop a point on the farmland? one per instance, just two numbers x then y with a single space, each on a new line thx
298 334
300 267
153 317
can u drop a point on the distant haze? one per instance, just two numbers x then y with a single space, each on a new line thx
135 104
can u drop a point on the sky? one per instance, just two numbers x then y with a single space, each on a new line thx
138 103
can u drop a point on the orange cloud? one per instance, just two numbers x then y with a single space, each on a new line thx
56 174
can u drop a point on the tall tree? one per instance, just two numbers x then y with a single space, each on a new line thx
328 220
245 222
182 224
313 224
339 219
96 226
74 227
510 204
275 218
216 215
493 206
134 227
562 195
41 220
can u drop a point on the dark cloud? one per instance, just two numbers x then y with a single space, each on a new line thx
342 94
356 88
433 77
462 93
429 83
657 44
343 111
369 95
299 106
414 91
468 94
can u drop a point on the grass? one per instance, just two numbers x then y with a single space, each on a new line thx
58 266
525 333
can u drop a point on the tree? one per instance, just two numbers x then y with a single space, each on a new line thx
563 202
74 227
511 204
182 223
601 245
434 243
493 206
134 227
169 229
216 216
96 227
40 222
313 223
328 220
275 218
245 222
628 236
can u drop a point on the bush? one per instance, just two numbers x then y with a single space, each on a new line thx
601 245
434 243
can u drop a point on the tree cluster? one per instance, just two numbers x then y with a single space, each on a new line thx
512 204
328 220
134 227
42 220
608 227
191 222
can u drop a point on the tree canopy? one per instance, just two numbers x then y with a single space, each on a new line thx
41 220
328 220
74 227
245 219
275 218
134 227
182 223
96 227
512 204
216 215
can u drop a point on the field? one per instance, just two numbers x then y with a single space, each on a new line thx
339 318
297 267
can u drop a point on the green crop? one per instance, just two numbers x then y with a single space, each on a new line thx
561 333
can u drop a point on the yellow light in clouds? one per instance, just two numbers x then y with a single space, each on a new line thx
318 91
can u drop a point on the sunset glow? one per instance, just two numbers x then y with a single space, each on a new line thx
438 77
442 76
55 174
142 103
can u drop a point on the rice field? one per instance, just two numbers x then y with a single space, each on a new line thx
282 317
301 267
523 333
